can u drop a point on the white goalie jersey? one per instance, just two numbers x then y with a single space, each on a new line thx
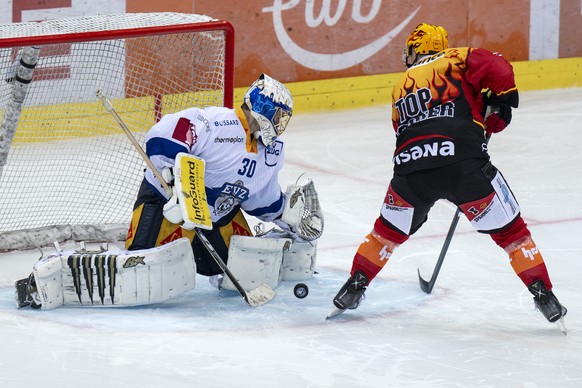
239 169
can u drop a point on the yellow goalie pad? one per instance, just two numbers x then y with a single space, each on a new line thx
189 181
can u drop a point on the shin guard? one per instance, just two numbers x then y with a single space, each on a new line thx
528 263
372 255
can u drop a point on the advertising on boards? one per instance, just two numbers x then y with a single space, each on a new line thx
300 40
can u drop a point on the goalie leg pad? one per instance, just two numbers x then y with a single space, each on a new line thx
254 261
47 274
84 278
299 261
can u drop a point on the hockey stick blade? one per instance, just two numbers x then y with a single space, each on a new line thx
424 285
260 295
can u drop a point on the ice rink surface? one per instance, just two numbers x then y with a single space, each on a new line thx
477 329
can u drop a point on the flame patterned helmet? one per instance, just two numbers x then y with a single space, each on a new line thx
271 104
426 39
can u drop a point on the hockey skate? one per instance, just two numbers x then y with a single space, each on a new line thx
547 303
26 293
350 295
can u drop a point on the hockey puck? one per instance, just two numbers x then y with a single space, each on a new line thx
300 290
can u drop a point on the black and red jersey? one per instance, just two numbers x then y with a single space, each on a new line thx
437 107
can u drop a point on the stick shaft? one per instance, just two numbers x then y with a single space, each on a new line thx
107 105
427 286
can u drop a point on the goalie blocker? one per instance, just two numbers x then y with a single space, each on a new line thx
108 278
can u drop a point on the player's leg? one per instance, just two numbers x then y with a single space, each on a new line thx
269 257
146 219
149 228
487 201
528 263
402 214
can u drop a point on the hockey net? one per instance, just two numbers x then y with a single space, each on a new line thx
67 171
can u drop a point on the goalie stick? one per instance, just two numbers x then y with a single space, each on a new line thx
255 297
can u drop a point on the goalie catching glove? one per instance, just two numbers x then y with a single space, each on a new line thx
302 215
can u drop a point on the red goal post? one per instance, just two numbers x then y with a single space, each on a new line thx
67 171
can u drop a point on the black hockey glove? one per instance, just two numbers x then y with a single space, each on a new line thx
498 116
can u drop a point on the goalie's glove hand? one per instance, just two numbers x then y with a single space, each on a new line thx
286 231
172 210
302 215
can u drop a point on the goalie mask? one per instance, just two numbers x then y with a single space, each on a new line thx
426 39
271 104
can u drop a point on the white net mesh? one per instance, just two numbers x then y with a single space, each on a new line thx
68 162
99 23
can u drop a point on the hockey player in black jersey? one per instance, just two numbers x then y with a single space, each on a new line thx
438 111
